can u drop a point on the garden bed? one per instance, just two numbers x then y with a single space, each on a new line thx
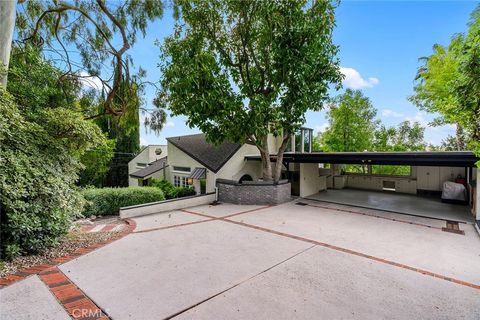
75 240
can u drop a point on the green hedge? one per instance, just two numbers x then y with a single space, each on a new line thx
170 191
108 201
39 162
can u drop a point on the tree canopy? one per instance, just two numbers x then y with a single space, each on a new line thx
240 70
448 83
93 28
351 121
406 136
353 127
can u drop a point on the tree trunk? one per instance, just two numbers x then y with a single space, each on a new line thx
460 138
279 164
7 24
266 162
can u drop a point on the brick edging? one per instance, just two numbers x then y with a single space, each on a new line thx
37 269
70 297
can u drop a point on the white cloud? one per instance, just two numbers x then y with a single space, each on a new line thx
143 141
321 128
90 82
354 80
391 113
420 118
169 124
435 135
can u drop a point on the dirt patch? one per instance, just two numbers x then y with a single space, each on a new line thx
76 239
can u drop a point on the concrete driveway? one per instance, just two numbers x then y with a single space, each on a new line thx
310 261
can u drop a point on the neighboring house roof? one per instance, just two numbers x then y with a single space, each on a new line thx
153 167
197 147
198 173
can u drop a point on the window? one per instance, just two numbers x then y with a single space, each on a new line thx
356 168
391 170
141 165
180 181
182 169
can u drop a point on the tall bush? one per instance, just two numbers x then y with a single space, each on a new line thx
170 190
108 201
39 162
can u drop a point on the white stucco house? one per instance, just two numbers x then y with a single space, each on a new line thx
191 160
146 163
192 157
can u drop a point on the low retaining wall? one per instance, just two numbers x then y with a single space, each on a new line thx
166 205
253 192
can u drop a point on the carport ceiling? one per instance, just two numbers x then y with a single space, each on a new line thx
445 159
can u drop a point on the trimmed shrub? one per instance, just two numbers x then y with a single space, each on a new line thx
170 191
108 201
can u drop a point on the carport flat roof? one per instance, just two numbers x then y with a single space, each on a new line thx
445 158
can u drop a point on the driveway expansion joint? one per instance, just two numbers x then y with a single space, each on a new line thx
209 219
238 284
345 250
374 216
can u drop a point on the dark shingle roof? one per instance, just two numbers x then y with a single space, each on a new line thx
197 147
153 167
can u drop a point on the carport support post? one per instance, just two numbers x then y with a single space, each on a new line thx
477 197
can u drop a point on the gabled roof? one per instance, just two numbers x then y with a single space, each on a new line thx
197 147
153 167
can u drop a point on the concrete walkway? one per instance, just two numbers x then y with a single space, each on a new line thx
30 299
283 262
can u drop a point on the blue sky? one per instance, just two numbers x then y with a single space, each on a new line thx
380 43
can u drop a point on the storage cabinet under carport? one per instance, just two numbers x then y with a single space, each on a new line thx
428 178
432 178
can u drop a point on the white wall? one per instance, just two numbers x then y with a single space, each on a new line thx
310 180
234 169
167 205
237 166
178 158
147 155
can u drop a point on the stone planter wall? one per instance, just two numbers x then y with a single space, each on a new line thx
253 192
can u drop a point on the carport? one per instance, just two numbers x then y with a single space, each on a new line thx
323 176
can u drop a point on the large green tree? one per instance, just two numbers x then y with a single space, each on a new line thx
406 136
43 138
352 123
92 38
448 83
240 70
126 132
35 84
101 31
